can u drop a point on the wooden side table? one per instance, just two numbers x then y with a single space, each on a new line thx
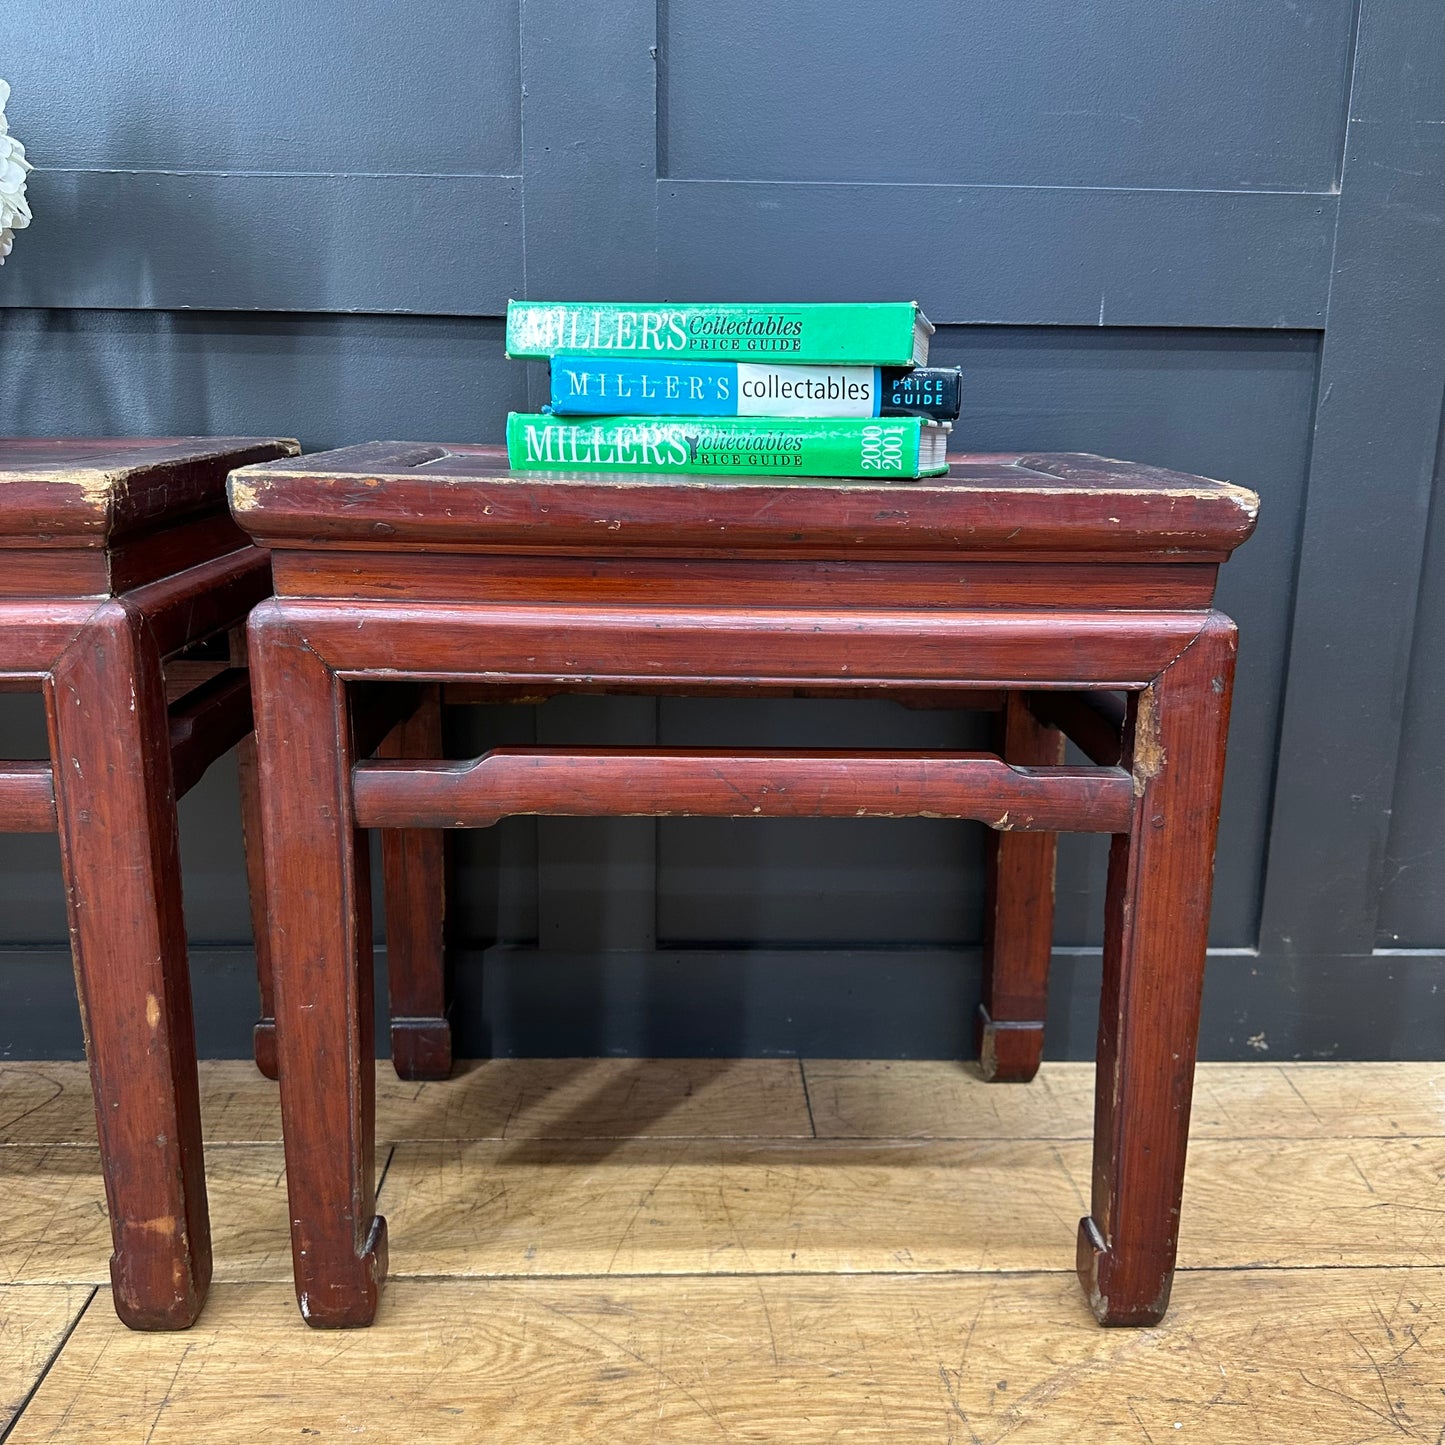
120 563
1073 592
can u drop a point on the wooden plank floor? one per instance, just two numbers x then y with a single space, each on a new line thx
678 1251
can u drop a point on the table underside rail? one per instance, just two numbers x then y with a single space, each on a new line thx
746 783
474 694
27 798
1092 720
206 722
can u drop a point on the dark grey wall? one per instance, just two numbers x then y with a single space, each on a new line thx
1210 237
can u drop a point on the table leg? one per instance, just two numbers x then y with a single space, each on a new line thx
414 886
263 1036
1155 936
115 802
321 953
1018 919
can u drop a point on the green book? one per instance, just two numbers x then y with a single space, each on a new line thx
866 333
882 447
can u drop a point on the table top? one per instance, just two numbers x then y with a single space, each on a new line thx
397 496
86 492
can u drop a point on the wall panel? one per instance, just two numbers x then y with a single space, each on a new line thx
326 155
1009 92
1412 887
1211 237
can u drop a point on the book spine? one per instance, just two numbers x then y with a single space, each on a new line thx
592 386
931 391
868 333
718 446
589 386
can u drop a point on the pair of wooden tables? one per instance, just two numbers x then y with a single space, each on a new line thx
1072 595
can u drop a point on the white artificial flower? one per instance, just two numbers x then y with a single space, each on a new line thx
14 209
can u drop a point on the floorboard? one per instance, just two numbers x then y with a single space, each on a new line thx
49 1103
938 1099
702 1206
34 1323
679 1251
1246 1356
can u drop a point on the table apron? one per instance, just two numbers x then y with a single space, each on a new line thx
779 647
33 635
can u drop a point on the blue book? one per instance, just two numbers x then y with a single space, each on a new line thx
612 386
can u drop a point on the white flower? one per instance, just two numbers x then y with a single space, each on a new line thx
14 209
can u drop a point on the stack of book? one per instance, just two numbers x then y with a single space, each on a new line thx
829 390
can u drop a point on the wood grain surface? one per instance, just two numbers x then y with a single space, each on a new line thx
740 783
463 497
62 492
560 1098
54 1228
667 1251
695 1207
49 1102
34 1320
1248 1356
940 1099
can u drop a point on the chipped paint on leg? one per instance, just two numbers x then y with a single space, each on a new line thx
1149 755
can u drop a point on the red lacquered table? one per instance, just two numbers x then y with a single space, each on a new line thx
120 565
1071 593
